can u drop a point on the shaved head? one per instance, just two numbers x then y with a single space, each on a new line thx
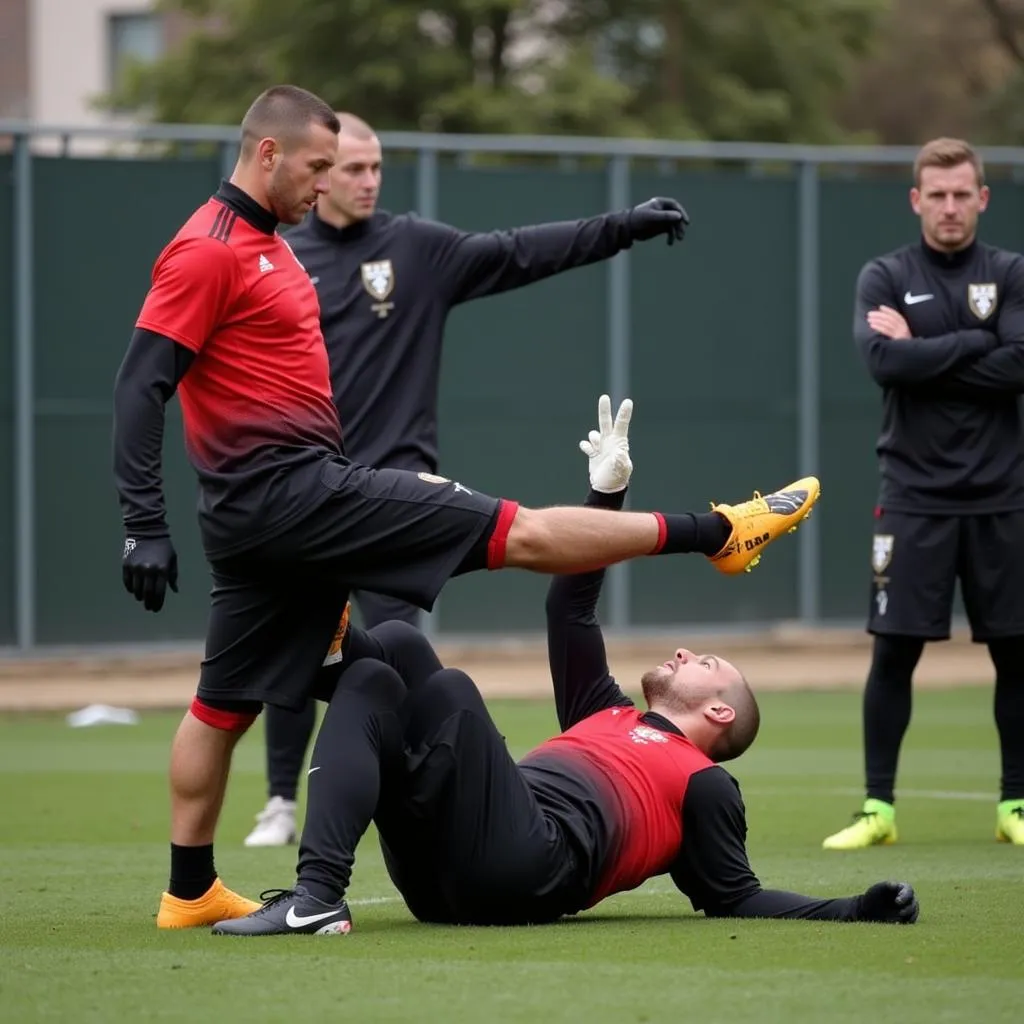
284 113
743 729
289 145
700 690
356 175
355 127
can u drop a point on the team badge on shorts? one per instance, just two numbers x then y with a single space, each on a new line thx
379 280
982 299
334 653
881 552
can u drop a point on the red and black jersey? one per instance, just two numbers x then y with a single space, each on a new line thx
241 301
644 771
232 301
632 795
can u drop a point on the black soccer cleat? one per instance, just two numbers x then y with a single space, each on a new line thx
290 912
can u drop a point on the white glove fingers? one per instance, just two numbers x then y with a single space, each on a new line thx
604 415
623 417
588 449
595 440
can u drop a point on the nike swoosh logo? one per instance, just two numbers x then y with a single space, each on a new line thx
311 770
294 920
913 300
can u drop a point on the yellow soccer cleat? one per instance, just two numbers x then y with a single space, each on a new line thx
218 903
758 522
1010 822
874 825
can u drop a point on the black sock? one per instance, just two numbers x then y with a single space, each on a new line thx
705 533
192 871
1008 658
886 710
324 893
287 735
359 730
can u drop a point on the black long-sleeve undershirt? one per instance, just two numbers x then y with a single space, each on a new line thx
712 868
149 375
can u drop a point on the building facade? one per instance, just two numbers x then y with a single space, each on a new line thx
58 58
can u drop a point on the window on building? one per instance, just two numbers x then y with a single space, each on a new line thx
132 38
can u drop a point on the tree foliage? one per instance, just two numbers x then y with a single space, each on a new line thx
728 70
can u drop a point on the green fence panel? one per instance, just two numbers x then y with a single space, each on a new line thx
99 225
398 186
1002 223
520 377
7 564
713 370
859 220
714 378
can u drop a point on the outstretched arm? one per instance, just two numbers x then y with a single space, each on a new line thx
712 868
470 265
576 651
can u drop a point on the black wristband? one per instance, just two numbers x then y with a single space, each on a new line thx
598 499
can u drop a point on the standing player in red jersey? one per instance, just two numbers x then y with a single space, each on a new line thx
619 796
289 525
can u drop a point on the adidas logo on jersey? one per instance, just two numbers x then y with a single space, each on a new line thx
265 264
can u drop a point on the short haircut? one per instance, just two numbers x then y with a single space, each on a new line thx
743 729
355 126
284 112
947 153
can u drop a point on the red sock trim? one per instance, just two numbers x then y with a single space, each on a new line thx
217 718
662 532
507 512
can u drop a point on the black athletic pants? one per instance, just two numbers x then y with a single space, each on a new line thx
463 837
288 732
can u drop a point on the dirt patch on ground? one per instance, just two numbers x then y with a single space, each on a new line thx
779 660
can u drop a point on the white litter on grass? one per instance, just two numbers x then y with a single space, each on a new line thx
102 714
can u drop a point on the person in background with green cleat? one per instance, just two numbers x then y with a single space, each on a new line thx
940 324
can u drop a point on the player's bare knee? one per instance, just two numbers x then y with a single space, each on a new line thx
529 541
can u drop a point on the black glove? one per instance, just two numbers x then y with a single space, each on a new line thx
889 903
658 217
148 567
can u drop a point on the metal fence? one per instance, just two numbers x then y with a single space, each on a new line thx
618 157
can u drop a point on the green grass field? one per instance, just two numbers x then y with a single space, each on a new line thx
83 859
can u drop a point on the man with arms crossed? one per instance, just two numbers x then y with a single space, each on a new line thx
289 525
940 324
386 285
620 796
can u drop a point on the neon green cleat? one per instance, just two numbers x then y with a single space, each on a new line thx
873 825
1010 822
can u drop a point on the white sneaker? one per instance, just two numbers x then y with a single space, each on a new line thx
275 824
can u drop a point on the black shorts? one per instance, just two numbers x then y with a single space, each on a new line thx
463 837
275 609
916 560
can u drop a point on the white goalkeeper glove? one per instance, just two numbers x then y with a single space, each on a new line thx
608 448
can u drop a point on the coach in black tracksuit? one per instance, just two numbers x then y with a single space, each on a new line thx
940 324
386 286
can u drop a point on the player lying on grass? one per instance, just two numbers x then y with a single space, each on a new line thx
620 796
